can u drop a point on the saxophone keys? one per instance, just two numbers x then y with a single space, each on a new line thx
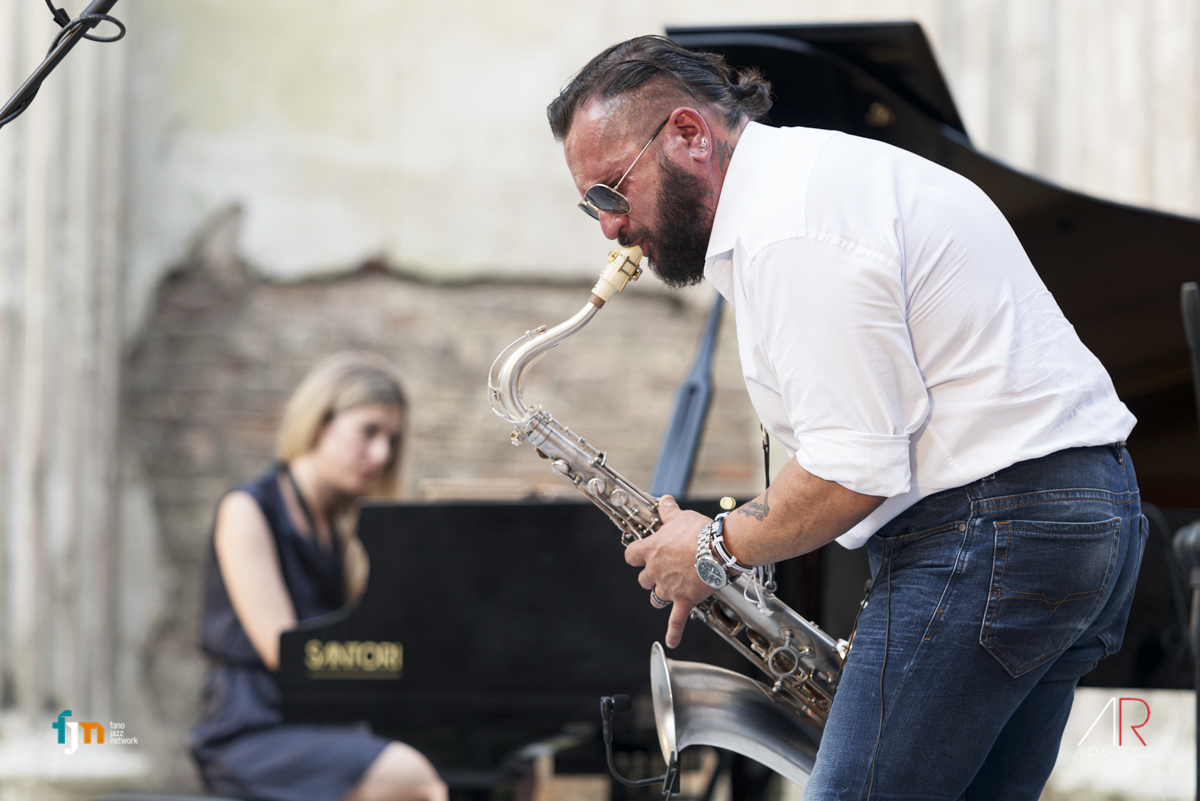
597 487
561 467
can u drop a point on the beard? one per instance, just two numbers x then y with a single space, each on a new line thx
685 223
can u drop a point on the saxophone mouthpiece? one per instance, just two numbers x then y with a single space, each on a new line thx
622 268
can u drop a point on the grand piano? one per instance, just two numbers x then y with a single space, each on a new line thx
493 633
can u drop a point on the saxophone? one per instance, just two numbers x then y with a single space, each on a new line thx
778 723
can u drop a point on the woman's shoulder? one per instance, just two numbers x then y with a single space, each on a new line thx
255 500
240 511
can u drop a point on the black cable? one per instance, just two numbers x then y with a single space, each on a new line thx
20 109
68 26
887 629
621 703
861 606
618 703
766 454
85 19
60 15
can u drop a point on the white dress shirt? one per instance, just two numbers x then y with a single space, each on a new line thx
893 334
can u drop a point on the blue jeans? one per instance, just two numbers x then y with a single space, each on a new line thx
989 602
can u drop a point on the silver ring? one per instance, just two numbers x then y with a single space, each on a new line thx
658 603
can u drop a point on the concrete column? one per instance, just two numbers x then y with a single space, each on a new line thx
8 317
60 346
38 129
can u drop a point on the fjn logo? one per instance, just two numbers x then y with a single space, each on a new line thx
89 728
1119 723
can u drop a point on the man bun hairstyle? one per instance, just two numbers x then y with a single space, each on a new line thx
740 96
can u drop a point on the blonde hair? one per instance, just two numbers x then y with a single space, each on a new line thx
343 381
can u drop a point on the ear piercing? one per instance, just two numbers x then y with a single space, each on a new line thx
703 143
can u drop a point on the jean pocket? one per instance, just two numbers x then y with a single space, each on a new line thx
1049 580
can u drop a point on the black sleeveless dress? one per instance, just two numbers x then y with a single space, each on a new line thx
242 746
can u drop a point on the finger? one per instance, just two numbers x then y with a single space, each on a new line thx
667 508
635 553
647 582
679 616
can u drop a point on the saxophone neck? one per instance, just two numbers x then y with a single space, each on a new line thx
506 380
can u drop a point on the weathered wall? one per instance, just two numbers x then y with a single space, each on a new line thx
415 132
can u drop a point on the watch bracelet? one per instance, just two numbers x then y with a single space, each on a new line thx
763 574
704 551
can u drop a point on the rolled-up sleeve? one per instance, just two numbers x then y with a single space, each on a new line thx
833 330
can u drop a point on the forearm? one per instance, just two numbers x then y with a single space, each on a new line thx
249 565
799 513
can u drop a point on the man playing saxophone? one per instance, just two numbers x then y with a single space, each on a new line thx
936 405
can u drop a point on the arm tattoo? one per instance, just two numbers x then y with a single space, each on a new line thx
758 511
724 152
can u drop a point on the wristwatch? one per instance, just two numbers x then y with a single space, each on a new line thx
708 568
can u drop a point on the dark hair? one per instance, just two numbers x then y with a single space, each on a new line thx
739 95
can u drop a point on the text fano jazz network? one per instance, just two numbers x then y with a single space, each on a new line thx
93 733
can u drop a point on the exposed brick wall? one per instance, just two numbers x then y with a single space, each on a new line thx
206 382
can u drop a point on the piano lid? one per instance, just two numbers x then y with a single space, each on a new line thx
1115 270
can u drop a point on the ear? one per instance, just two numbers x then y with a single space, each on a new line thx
690 132
326 419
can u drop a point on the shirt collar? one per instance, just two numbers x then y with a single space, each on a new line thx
736 190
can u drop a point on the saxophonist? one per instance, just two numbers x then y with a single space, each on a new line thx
937 408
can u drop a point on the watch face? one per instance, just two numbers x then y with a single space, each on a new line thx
712 574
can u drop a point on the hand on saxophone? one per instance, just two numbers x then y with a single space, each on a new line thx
669 556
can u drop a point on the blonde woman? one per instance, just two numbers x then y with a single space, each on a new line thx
284 550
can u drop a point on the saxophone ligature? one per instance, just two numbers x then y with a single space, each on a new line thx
777 723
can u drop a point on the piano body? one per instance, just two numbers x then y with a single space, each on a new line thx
486 627
481 631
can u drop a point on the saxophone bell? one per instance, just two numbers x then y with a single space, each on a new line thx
698 704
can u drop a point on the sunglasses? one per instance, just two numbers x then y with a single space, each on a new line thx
601 197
